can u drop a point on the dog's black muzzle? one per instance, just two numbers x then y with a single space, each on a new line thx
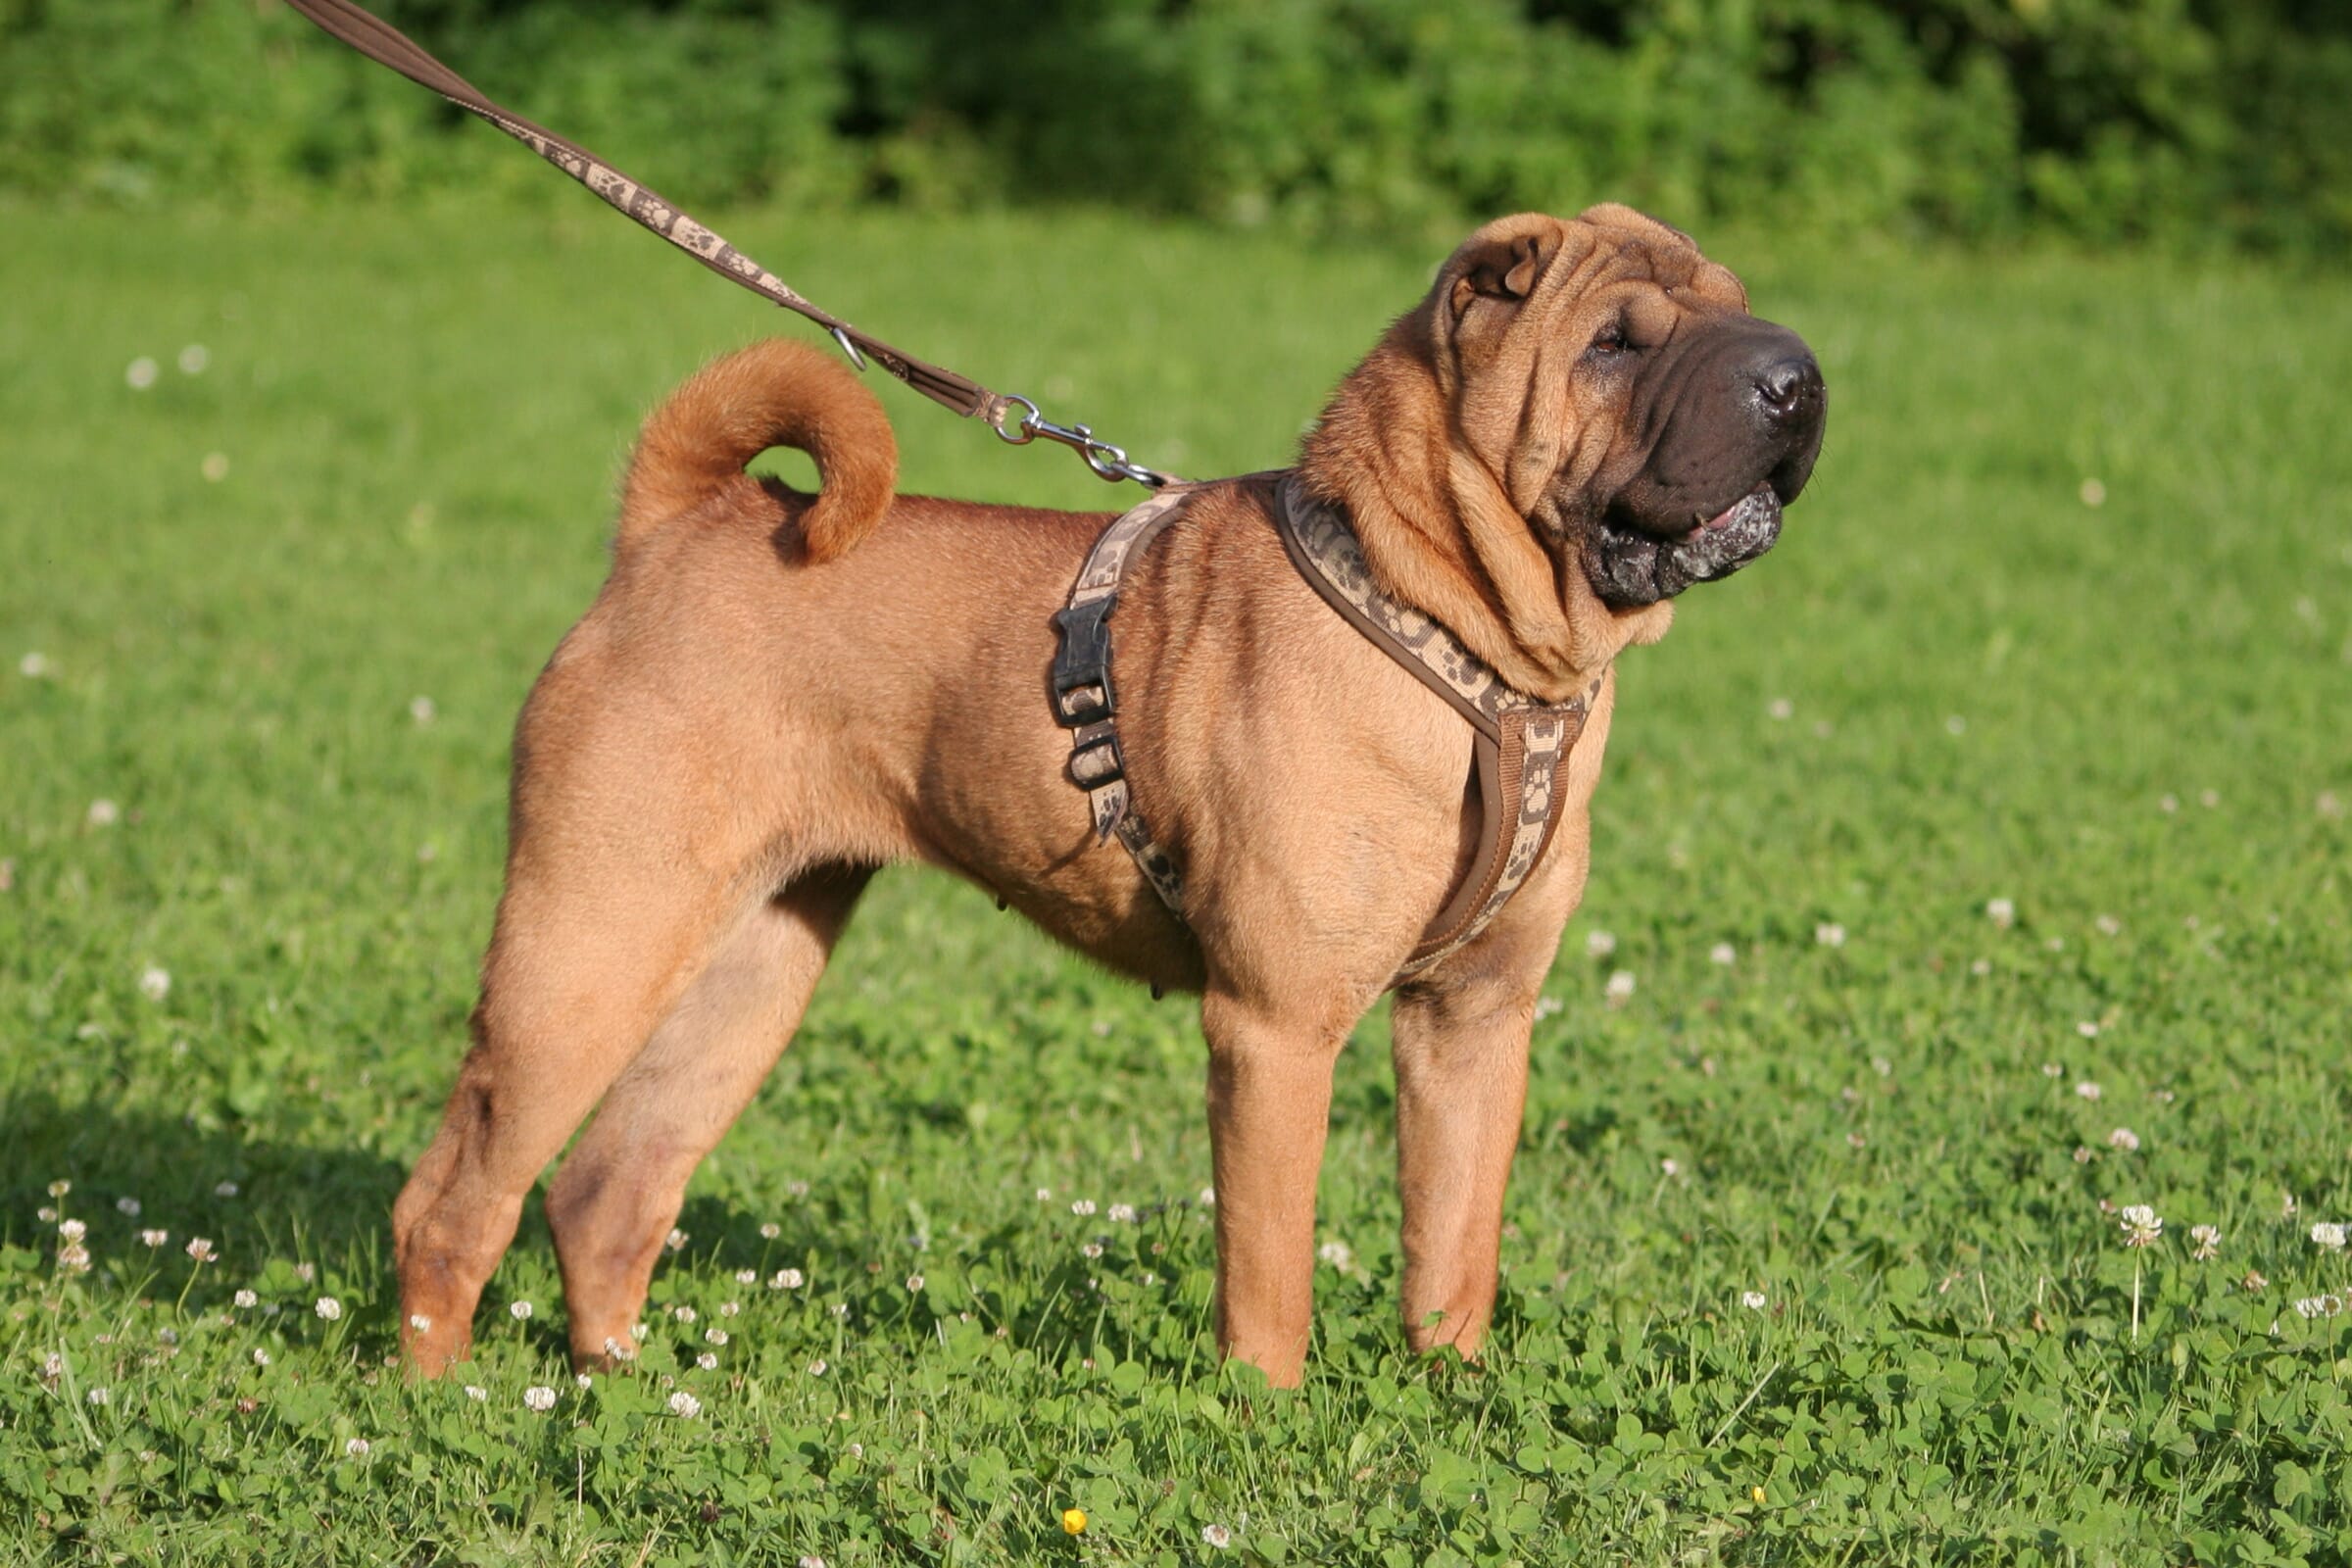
1737 416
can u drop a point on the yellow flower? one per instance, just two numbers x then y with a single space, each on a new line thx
1756 1493
1074 1520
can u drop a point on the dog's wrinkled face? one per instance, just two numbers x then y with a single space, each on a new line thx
1659 428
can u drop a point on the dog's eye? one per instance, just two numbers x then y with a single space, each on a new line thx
1610 340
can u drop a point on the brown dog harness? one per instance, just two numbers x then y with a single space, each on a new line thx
1519 742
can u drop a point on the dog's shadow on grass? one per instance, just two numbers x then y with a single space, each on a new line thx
148 1188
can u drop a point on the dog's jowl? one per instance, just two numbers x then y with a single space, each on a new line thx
775 694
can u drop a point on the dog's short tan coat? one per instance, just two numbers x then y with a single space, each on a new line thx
773 696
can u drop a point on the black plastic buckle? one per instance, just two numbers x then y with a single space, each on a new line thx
1084 661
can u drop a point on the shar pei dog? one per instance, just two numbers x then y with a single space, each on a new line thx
776 694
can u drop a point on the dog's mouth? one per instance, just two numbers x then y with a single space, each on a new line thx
1630 565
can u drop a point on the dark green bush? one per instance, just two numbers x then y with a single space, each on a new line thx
2107 120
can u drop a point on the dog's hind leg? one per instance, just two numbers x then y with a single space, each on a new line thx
608 915
618 1193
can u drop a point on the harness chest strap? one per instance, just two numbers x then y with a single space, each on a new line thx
1518 742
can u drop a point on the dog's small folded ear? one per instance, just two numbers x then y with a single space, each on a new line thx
1504 268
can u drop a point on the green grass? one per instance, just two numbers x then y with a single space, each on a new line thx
1954 682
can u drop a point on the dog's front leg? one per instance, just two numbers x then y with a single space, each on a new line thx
1269 1100
1461 1085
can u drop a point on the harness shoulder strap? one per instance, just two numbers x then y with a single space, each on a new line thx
1518 742
1087 703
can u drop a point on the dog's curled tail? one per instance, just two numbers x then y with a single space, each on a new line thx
775 393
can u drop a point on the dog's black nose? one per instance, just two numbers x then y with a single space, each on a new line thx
1786 385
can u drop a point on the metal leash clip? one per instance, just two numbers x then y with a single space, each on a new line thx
1108 461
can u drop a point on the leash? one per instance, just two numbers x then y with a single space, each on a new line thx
380 41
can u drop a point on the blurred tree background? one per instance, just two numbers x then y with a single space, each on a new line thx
2177 121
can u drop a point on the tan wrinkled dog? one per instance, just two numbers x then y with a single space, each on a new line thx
773 696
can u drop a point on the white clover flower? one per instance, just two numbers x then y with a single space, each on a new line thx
2088 1090
1723 953
2319 1305
731 1309
140 375
154 1238
1217 1535
100 1397
619 1352
1044 1194
327 1308
839 1309
1781 707
1338 1254
1600 944
796 1189
420 1323
2208 1238
747 1276
128 1206
357 1448
1209 1197
73 1259
2124 1139
787 1279
104 813
72 1230
306 1272
2053 1070
582 1380
1670 1166
35 664
685 1406
676 1239
1620 986
476 1392
2329 1235
1122 1213
915 1282
770 1231
539 1397
59 1188
1753 1301
200 1247
2142 1226
1092 1250
2109 925
716 1336
637 1332
2001 912
816 1368
155 983
519 1310
1083 1207
1830 934
224 1189
2088 1029
53 1366
261 1358
707 1361
246 1299
810 1560
421 710
1549 1007
193 359
683 1313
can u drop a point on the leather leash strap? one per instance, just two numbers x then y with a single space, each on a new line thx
387 46
1519 743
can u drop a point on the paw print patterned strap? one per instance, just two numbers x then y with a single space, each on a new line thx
1519 743
1087 705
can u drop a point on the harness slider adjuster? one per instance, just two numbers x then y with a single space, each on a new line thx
1098 760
